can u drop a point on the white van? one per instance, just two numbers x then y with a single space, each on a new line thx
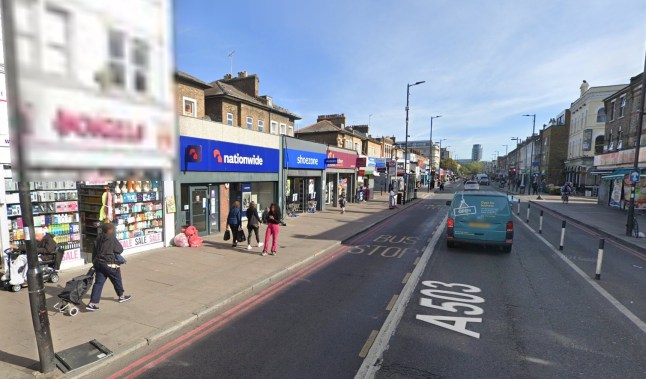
482 179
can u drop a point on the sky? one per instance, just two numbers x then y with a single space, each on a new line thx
484 63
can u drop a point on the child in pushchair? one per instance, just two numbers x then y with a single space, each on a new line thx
15 277
73 293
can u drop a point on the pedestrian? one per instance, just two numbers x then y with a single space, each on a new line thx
441 185
107 252
273 229
47 248
253 224
342 203
535 187
234 222
391 199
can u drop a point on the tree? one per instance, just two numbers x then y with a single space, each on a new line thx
472 168
449 164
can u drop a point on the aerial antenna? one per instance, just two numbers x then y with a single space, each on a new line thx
230 55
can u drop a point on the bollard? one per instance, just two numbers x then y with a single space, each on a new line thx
528 205
562 235
597 275
518 211
540 224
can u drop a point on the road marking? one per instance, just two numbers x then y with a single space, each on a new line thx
370 364
416 261
611 299
406 278
368 344
391 304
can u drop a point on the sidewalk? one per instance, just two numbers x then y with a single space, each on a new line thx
175 286
606 221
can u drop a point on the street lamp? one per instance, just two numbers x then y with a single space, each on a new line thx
531 154
406 143
431 182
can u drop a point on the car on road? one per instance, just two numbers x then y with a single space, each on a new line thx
483 179
483 218
471 185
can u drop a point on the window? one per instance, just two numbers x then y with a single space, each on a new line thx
290 130
601 115
140 53
283 128
612 110
117 59
622 106
25 33
56 49
619 139
249 123
356 147
261 126
229 118
598 145
347 144
190 106
273 128
610 144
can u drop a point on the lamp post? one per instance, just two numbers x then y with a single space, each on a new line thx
431 182
640 122
531 155
506 160
406 187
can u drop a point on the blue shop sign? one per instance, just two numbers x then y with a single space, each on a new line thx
380 162
198 154
308 160
371 162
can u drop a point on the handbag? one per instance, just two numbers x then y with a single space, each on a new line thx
227 235
119 259
241 236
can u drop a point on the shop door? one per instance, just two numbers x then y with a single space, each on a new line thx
199 207
214 210
329 194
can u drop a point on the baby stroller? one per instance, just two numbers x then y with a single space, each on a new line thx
73 292
15 277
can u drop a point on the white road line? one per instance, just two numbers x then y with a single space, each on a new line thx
416 261
620 307
372 361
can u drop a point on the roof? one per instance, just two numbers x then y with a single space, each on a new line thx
323 126
219 88
182 75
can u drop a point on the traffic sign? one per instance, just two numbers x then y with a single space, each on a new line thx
634 177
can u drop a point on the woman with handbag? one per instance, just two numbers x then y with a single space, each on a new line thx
234 222
273 229
253 224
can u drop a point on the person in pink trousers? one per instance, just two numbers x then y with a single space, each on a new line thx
273 218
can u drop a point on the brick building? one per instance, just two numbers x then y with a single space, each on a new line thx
331 130
189 95
554 138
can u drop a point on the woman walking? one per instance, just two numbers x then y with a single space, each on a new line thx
234 222
273 229
253 224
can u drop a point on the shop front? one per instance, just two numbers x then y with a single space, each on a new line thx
340 176
304 165
213 174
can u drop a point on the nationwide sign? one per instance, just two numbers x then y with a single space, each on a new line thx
300 159
198 154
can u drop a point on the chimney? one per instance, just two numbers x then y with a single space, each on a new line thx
336 119
361 128
244 82
584 87
227 76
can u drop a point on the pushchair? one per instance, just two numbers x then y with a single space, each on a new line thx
73 293
16 265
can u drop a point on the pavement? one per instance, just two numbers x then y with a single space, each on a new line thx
175 287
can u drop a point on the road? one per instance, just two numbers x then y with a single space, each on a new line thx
527 314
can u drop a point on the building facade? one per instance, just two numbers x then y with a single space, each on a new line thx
587 126
554 140
476 153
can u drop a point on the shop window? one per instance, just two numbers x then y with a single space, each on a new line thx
190 106
56 51
261 126
283 129
229 118
273 127
249 123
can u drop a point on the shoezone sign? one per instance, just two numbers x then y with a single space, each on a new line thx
456 299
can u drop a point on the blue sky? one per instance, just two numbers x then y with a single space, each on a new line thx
485 63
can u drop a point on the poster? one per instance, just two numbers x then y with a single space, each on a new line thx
170 204
615 195
640 192
587 140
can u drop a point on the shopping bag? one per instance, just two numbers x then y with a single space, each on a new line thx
227 235
241 236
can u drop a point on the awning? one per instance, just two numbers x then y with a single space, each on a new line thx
601 172
617 174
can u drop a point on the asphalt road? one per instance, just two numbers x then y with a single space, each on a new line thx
523 315
320 325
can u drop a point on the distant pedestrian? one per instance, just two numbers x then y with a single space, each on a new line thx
441 185
234 222
273 229
535 187
342 203
253 224
104 260
391 199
